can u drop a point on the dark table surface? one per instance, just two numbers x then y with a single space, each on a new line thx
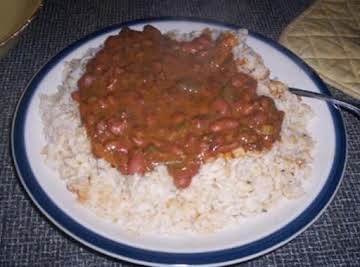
28 238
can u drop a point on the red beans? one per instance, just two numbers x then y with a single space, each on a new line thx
241 80
86 81
117 126
151 119
112 42
178 117
90 119
101 127
106 101
120 146
182 177
176 150
139 139
152 31
196 45
100 68
248 137
238 80
76 96
200 123
182 181
266 103
111 100
259 118
224 124
227 147
244 108
111 86
157 66
137 163
221 106
147 100
102 103
191 141
122 163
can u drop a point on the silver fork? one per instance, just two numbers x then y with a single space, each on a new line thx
333 100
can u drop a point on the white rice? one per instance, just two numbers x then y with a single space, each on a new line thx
220 195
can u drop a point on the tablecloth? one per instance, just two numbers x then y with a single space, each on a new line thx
28 238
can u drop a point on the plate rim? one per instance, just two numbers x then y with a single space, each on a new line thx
133 254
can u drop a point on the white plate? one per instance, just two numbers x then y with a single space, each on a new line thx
252 238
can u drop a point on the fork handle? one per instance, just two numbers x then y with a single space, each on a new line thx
333 100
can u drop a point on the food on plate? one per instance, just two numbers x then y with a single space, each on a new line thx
146 99
172 133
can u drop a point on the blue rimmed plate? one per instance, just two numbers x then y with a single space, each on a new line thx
252 238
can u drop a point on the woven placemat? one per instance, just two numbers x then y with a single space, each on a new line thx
27 238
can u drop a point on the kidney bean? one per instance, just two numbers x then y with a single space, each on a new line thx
204 53
86 81
90 119
182 180
242 80
111 100
259 118
191 141
182 177
76 96
248 96
100 67
227 147
228 93
199 122
204 41
152 31
124 114
204 149
139 139
151 120
216 142
101 127
244 108
219 139
103 104
197 44
221 106
111 86
176 150
189 48
238 80
120 146
137 163
248 137
134 95
122 163
119 70
157 66
117 126
112 42
224 124
265 102
178 117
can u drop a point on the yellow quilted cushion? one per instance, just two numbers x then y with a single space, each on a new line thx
327 37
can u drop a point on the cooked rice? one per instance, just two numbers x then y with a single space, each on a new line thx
223 192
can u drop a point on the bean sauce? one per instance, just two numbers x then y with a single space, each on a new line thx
146 99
